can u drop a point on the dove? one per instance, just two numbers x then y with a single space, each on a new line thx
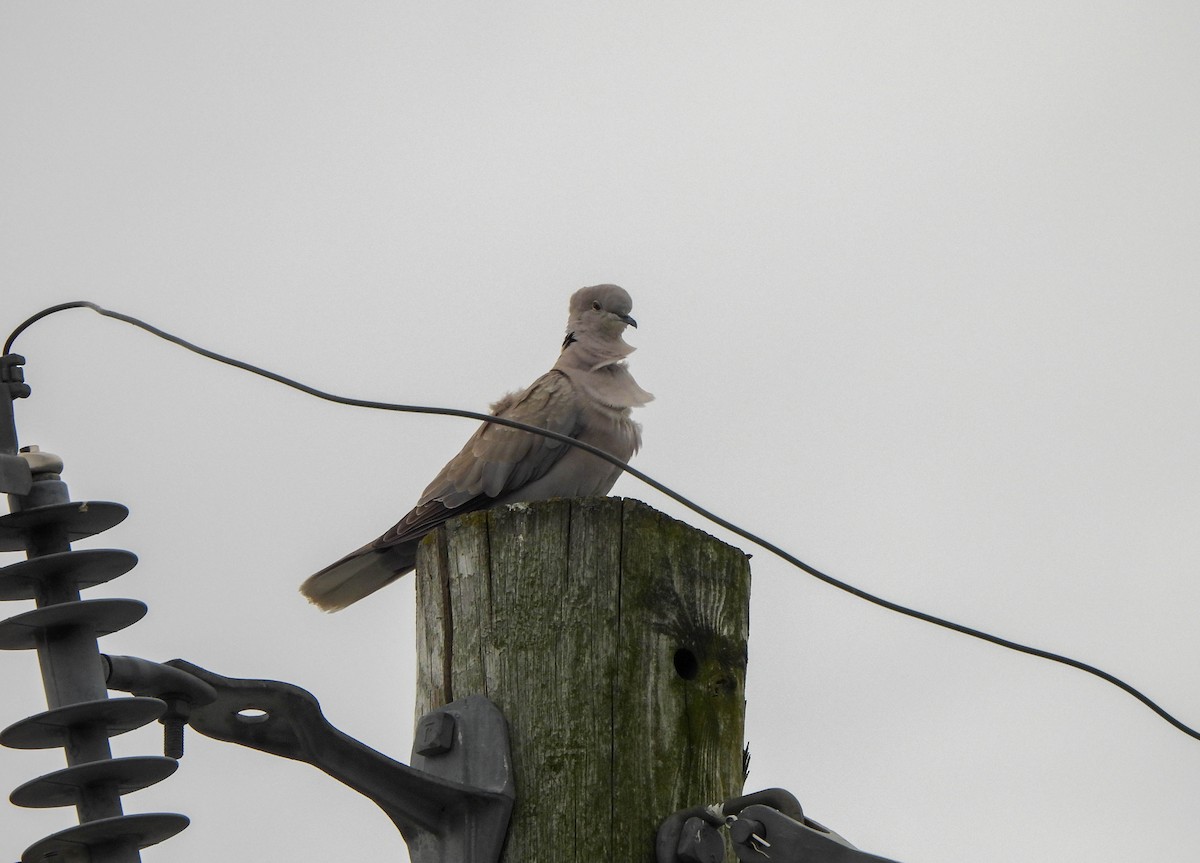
587 395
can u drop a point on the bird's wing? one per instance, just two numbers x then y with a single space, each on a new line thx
497 460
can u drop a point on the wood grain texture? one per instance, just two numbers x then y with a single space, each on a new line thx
613 638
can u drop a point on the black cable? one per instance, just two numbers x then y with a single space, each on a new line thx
632 471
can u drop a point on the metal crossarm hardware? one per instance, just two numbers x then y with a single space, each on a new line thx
765 826
451 805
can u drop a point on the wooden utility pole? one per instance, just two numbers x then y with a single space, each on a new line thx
613 638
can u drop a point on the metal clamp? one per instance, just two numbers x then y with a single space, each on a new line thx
451 805
765 826
179 690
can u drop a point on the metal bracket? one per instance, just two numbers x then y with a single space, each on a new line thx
765 826
452 805
15 477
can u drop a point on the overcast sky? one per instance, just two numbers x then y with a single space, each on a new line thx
917 293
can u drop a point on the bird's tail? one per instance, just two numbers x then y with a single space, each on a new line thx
352 578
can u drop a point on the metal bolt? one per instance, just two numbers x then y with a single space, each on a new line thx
435 734
173 737
173 723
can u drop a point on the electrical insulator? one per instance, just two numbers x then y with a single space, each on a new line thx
64 629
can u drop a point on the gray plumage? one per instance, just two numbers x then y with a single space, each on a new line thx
587 395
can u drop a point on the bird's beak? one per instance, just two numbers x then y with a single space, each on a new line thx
627 319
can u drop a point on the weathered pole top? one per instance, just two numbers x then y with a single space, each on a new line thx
613 639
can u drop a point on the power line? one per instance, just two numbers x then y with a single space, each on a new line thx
632 471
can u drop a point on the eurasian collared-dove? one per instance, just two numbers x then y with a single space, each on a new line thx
586 395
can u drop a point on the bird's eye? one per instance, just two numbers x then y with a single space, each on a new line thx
596 305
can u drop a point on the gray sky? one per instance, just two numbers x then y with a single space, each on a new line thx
917 293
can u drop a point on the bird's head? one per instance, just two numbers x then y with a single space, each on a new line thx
601 312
